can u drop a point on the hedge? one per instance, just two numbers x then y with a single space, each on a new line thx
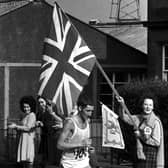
133 91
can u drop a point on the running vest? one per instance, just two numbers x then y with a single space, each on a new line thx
78 136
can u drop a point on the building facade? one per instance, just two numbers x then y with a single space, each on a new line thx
22 31
157 25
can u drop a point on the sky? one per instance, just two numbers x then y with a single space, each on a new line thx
87 10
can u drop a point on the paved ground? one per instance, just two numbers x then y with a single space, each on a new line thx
14 165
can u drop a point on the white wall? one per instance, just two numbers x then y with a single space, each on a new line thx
143 10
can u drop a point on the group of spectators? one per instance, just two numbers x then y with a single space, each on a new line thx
66 142
62 139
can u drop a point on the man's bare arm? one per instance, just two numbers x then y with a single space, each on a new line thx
64 139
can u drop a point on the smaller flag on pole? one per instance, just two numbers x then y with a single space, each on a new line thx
111 131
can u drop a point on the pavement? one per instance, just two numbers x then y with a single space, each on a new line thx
4 164
15 166
7 164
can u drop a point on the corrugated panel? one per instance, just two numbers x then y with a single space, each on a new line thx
10 6
133 35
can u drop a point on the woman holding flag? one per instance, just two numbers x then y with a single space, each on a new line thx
149 132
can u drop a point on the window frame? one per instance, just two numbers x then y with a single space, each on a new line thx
130 75
164 70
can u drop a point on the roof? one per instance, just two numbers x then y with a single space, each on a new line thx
9 6
133 35
116 52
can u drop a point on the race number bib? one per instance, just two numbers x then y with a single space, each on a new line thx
80 152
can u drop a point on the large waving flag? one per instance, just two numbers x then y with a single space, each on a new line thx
111 131
67 63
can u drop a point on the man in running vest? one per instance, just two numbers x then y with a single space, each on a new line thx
75 140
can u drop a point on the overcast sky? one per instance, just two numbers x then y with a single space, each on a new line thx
86 10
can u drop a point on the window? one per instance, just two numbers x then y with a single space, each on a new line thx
165 62
106 95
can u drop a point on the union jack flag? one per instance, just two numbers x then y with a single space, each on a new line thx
67 63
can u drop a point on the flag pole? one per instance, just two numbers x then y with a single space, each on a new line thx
140 153
115 92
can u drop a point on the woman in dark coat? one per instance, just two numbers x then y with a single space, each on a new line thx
51 125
